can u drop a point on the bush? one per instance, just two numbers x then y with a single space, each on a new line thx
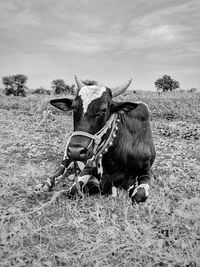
193 90
15 84
15 91
42 91
60 87
166 83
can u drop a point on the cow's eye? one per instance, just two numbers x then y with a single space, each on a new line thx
101 112
97 114
74 107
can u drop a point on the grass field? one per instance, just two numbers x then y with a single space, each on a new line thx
96 230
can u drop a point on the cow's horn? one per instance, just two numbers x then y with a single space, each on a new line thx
79 83
120 89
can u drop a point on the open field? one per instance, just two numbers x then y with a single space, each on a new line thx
99 231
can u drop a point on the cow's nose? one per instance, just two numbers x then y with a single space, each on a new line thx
77 153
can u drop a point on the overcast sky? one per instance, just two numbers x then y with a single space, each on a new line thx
106 40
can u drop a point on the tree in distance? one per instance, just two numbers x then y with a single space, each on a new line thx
15 84
59 87
166 83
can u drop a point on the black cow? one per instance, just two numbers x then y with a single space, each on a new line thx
114 139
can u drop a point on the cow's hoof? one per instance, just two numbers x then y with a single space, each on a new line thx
114 192
140 193
44 187
69 195
131 190
92 187
40 188
73 191
139 196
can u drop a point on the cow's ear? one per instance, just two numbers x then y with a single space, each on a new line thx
123 106
64 104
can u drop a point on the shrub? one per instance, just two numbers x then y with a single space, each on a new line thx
42 91
60 87
166 83
15 84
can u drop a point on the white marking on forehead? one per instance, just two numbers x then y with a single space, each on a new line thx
89 93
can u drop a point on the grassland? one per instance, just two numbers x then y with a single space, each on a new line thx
99 231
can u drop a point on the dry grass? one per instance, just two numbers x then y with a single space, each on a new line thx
99 231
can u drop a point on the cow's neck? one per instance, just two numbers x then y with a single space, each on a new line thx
112 126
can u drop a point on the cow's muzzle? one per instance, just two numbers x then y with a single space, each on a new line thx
78 153
83 150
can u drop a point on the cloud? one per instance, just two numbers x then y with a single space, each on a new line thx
165 13
17 14
83 31
156 37
166 33
74 42
161 27
86 43
89 22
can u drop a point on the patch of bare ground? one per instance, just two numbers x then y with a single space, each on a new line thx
98 231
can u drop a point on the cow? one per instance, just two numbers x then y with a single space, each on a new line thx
113 139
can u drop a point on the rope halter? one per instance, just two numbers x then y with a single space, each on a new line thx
100 147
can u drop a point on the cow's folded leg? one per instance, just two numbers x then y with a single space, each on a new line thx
50 182
141 192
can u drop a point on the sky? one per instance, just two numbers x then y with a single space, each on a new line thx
109 41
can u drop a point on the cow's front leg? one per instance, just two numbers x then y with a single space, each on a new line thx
50 182
140 192
107 186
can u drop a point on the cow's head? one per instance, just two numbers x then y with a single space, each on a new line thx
92 107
